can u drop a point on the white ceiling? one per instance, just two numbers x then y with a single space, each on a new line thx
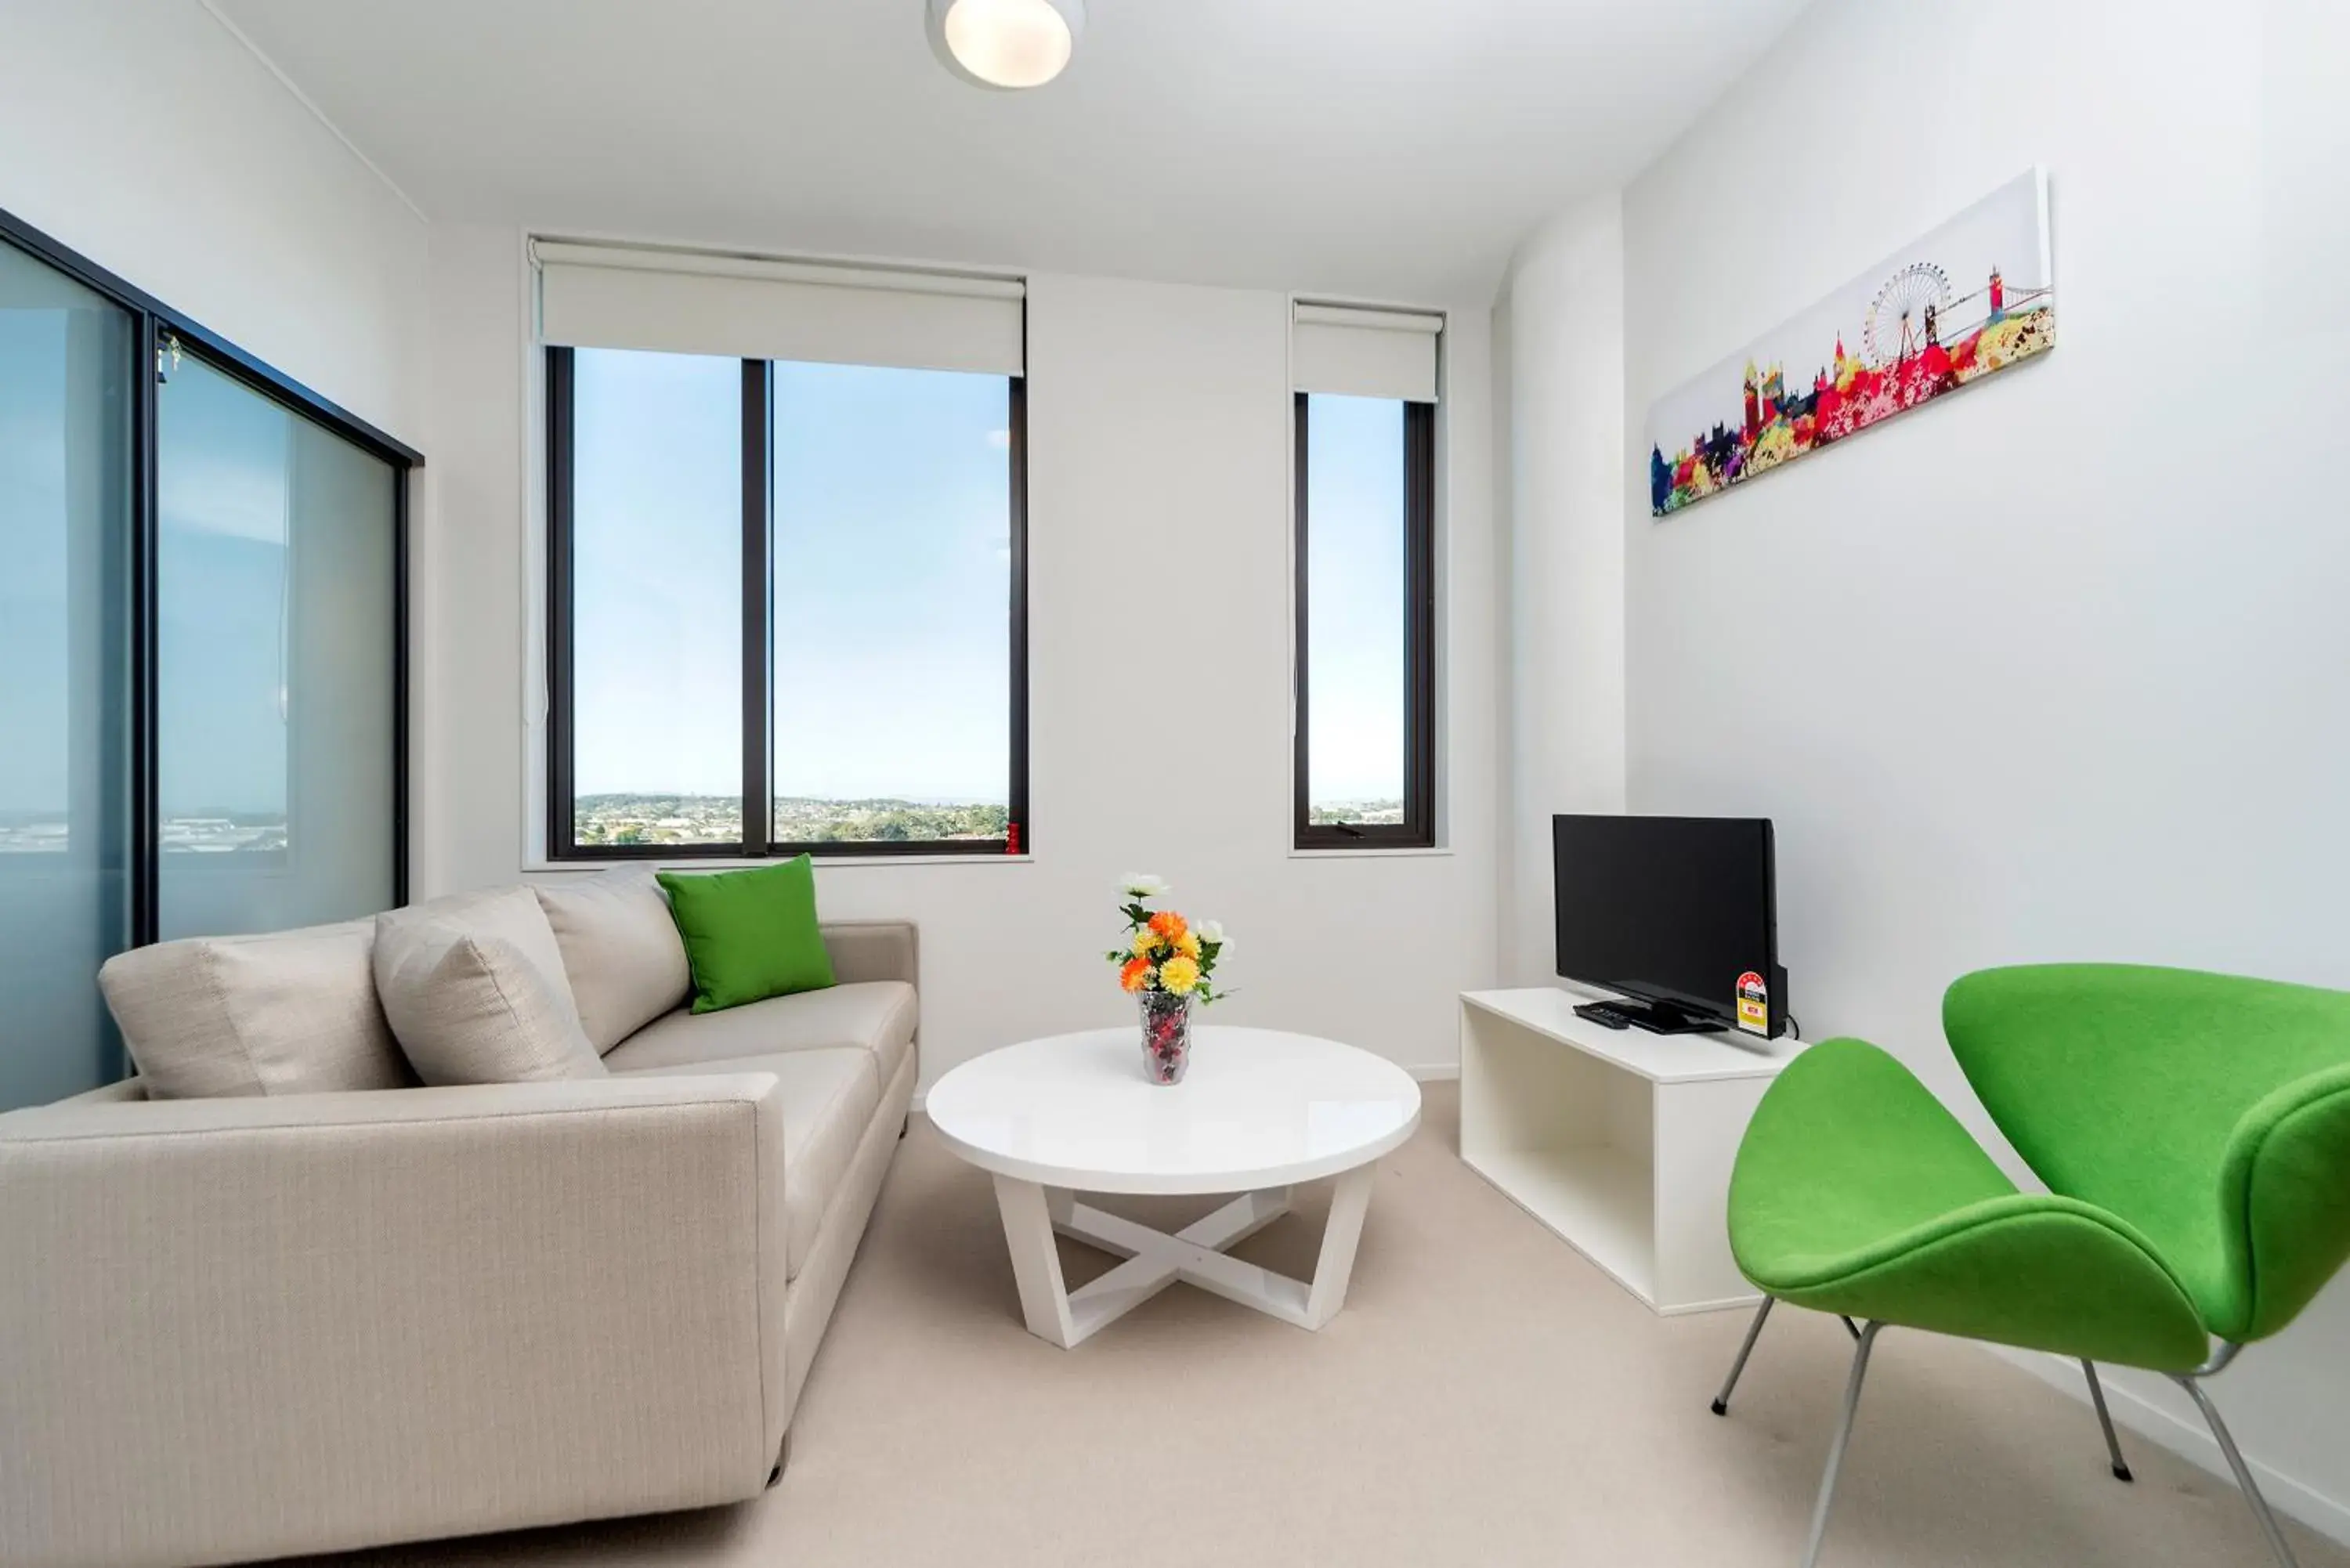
1387 149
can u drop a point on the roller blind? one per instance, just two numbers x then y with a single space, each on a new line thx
690 302
1365 353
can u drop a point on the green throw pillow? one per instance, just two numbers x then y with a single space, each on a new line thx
749 935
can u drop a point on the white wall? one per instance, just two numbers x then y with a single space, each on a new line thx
145 135
1560 342
1159 528
2054 670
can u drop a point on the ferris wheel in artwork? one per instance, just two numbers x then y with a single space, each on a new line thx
1901 316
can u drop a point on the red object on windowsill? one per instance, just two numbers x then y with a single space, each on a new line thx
1011 839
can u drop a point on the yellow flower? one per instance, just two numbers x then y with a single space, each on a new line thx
1188 946
1146 942
1179 974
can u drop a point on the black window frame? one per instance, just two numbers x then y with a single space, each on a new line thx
1418 828
158 332
757 580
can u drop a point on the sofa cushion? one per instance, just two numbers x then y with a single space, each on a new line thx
829 1098
749 935
287 1012
620 950
474 987
877 1015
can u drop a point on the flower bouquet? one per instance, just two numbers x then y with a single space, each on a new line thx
1166 965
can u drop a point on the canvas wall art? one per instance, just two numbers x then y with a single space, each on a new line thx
1972 298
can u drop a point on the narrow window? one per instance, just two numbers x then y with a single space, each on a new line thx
1366 761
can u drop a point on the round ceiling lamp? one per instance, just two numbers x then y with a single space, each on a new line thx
1006 43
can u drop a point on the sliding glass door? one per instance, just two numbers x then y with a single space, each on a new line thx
66 411
200 652
275 592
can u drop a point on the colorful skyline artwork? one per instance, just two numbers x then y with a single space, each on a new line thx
1974 297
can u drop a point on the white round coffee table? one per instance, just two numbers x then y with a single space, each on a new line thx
1259 1112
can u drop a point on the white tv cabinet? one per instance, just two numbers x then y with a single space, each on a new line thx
1619 1140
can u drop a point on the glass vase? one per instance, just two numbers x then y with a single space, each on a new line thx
1166 1035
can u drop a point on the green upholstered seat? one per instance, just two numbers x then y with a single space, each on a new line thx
1856 1192
2193 1130
2210 1112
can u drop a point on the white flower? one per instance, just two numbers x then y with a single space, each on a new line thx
1138 885
1210 933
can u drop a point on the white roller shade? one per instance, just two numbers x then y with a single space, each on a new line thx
685 302
1365 353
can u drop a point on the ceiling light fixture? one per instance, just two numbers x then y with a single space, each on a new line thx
1007 43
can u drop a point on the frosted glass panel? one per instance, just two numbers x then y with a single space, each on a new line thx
65 510
275 561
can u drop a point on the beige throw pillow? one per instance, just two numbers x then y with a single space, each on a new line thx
474 987
620 949
284 1013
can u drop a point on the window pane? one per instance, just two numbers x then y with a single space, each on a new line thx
892 597
276 669
1354 609
656 604
65 525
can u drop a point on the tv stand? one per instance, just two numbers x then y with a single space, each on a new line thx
1619 1141
1655 1017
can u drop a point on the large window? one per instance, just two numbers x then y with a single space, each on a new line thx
785 608
1364 614
201 654
277 600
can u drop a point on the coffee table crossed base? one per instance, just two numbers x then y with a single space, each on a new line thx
1155 1259
1260 1113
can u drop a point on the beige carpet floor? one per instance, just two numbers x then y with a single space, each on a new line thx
1486 1398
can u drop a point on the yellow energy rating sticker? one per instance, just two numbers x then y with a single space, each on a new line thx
1753 1004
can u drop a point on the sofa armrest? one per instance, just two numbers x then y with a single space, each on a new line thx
250 1328
873 949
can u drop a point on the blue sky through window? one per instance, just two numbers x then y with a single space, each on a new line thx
657 561
893 581
891 619
1354 601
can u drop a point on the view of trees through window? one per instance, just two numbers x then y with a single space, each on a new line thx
629 819
888 646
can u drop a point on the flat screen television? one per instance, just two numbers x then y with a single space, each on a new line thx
1675 913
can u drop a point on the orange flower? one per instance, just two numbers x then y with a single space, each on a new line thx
1136 974
1169 925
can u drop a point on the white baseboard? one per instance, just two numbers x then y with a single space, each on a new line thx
2328 1516
1433 1073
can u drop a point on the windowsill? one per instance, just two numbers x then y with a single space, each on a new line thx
540 864
1371 852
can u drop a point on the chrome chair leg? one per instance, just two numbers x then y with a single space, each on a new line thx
2105 1419
2260 1505
1843 1439
1753 1332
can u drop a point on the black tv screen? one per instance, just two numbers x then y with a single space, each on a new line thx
1670 910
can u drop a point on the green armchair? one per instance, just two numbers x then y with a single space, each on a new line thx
2193 1131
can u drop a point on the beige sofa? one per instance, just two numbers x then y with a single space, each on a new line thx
276 1323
